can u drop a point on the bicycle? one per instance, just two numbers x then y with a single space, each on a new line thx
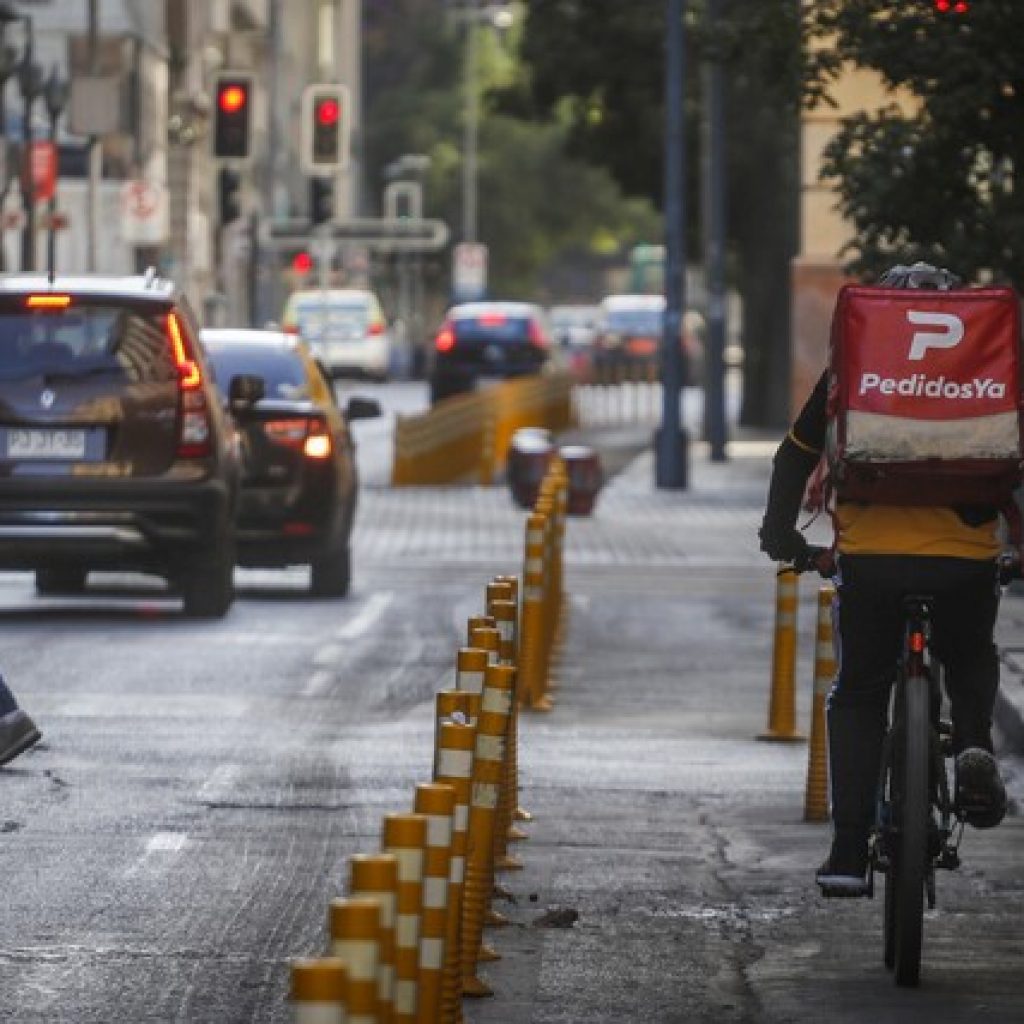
918 825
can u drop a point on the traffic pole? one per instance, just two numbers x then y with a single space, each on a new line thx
405 836
375 876
816 796
782 703
354 925
319 991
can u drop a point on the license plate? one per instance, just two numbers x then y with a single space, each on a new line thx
46 444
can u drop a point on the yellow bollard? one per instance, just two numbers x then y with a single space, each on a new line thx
404 836
531 645
453 706
816 796
354 927
782 707
485 638
436 801
470 663
375 876
504 612
478 622
488 762
319 991
455 768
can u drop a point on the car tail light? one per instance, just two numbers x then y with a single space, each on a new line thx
537 336
311 436
290 329
194 431
377 327
491 319
445 340
48 301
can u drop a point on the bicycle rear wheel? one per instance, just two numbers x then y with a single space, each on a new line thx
912 810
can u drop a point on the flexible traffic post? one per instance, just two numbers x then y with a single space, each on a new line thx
453 706
816 795
486 638
436 802
354 927
782 704
488 766
546 506
375 876
478 622
319 990
455 768
531 646
404 836
470 663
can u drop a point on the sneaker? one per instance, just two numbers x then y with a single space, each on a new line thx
980 793
17 733
844 872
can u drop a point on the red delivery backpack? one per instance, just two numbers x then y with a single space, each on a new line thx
924 399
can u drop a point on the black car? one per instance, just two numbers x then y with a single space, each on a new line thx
299 482
115 450
487 340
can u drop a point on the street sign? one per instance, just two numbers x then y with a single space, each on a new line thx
144 212
469 271
403 200
43 161
95 107
376 234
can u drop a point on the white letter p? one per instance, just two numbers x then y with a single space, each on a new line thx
949 336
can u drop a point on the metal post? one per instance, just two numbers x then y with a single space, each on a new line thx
714 219
94 149
472 130
671 449
29 85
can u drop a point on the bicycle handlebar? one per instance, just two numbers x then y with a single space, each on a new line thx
823 562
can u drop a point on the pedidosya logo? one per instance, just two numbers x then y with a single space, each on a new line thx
946 332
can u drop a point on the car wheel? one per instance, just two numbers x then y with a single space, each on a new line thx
332 572
208 588
60 581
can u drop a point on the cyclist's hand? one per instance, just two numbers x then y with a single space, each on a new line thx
782 543
816 559
1009 567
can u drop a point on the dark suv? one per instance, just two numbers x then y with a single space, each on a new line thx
487 340
115 450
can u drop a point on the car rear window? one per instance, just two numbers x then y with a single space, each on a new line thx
282 370
492 327
637 321
85 340
316 317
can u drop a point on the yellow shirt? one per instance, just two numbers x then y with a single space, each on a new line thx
913 530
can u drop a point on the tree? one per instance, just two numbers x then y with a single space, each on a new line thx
938 176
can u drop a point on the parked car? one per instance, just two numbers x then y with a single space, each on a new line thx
115 450
299 482
481 341
345 329
629 336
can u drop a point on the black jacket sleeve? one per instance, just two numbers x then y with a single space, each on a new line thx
792 466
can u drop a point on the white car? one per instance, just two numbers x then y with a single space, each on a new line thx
344 328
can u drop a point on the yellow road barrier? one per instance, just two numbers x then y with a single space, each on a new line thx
488 766
319 991
455 768
354 925
782 704
436 802
375 876
531 647
816 796
404 836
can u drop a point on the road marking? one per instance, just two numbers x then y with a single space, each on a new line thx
222 780
167 842
367 617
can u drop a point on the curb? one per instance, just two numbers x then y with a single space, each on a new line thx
1009 720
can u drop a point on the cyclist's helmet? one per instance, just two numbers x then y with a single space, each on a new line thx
919 275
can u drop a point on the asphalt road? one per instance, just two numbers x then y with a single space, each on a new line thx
174 841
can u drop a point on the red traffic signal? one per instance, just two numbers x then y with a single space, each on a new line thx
328 111
324 129
952 6
302 263
232 117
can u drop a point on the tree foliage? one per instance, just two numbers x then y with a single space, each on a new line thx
938 175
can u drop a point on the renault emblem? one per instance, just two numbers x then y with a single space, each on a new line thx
47 398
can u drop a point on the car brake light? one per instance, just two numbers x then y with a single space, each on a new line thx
194 432
491 319
317 446
377 327
311 435
290 329
48 301
445 340
537 336
290 432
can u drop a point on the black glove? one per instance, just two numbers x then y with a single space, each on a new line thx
782 543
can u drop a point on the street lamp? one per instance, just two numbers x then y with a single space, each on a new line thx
55 96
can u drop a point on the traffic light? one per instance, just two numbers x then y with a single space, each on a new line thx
325 128
321 200
232 116
952 6
229 195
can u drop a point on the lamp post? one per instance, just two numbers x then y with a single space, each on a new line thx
8 66
55 96
30 81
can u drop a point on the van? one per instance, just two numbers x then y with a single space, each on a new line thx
344 328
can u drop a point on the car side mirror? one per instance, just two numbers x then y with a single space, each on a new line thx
360 408
245 391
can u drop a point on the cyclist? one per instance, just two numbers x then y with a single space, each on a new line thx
885 552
